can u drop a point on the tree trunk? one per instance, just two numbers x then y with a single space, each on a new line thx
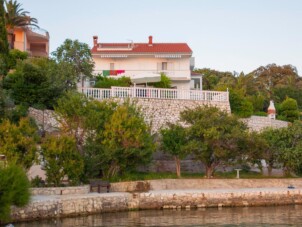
177 164
269 170
209 171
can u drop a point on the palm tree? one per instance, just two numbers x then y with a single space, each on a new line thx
16 16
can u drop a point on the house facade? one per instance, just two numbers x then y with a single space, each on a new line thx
35 41
143 62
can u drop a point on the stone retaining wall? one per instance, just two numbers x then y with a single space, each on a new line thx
204 184
62 206
61 190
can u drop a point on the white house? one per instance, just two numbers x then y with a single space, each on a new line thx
143 62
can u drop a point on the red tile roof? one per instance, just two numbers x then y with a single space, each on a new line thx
142 48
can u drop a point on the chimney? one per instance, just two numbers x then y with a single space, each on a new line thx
271 111
95 40
150 41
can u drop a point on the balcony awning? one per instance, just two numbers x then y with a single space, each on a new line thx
145 78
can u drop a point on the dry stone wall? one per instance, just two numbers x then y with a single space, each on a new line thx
258 123
159 112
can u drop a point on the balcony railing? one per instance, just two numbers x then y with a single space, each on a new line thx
155 93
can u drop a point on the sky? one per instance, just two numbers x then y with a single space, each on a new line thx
225 35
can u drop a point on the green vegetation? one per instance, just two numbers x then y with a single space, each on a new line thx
76 58
165 82
61 160
18 142
289 110
174 141
108 82
214 136
38 81
14 189
251 93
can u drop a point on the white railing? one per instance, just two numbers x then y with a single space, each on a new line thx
155 93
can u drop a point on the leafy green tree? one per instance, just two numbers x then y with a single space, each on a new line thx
3 43
289 145
174 142
289 110
18 142
271 151
14 189
77 58
14 56
126 140
240 105
61 159
214 136
80 117
37 82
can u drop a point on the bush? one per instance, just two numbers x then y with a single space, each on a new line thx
14 189
107 82
61 160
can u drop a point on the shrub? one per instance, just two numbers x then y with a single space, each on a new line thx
108 82
14 189
61 159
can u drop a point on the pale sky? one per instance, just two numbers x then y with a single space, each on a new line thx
226 35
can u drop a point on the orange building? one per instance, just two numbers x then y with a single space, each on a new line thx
35 41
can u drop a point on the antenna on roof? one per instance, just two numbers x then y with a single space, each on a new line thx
131 45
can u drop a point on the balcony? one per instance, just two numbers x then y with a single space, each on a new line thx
173 74
155 93
37 35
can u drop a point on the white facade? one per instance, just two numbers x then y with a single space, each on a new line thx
135 60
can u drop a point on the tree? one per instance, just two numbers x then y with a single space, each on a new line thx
14 188
15 56
62 159
289 110
77 58
80 117
174 142
239 104
127 141
18 142
37 82
3 43
289 144
271 151
214 136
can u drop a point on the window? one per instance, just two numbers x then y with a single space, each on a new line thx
111 66
164 66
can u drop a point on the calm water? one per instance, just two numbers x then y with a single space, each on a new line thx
249 216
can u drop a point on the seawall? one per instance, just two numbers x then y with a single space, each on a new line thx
64 205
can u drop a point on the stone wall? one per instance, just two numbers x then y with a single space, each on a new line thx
45 119
205 184
258 123
159 112
61 190
62 206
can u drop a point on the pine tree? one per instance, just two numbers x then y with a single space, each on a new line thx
4 51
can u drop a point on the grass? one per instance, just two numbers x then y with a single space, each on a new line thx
137 176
